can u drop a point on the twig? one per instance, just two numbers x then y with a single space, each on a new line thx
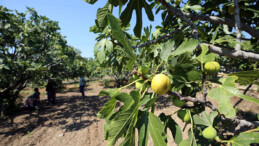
192 99
160 38
204 85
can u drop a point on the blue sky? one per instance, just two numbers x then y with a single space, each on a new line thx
75 17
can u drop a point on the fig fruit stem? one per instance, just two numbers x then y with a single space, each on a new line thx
143 93
189 112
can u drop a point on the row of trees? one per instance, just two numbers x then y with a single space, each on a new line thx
192 33
32 50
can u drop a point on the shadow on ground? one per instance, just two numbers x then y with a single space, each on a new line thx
70 113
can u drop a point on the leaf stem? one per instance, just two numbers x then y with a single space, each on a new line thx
153 106
251 130
159 66
130 84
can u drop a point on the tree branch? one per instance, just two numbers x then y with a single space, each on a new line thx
214 19
180 14
160 38
192 99
220 50
235 120
232 53
237 25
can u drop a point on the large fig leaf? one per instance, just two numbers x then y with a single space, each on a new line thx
224 92
120 36
247 77
173 126
102 14
136 5
204 57
187 46
205 119
155 128
167 49
125 118
245 139
110 105
143 128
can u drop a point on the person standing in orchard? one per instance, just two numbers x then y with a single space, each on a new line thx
82 86
51 91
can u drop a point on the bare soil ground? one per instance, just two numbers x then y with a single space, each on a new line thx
73 120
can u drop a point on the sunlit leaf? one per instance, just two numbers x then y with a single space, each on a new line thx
224 92
155 128
245 139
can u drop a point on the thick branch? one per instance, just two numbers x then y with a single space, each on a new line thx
160 38
180 14
214 19
235 120
232 53
237 25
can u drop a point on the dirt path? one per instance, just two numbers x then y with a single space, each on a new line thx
72 121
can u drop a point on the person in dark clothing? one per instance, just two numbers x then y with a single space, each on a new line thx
51 91
82 86
33 101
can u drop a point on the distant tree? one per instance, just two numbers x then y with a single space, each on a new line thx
31 50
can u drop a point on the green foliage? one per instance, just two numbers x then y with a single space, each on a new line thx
223 94
136 5
182 59
33 50
118 35
205 119
245 139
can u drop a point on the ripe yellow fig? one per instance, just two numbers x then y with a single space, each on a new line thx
177 102
160 84
143 69
212 67
209 133
140 85
231 9
184 115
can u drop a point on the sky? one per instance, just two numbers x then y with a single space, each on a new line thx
75 18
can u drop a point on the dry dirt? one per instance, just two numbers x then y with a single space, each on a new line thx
72 121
